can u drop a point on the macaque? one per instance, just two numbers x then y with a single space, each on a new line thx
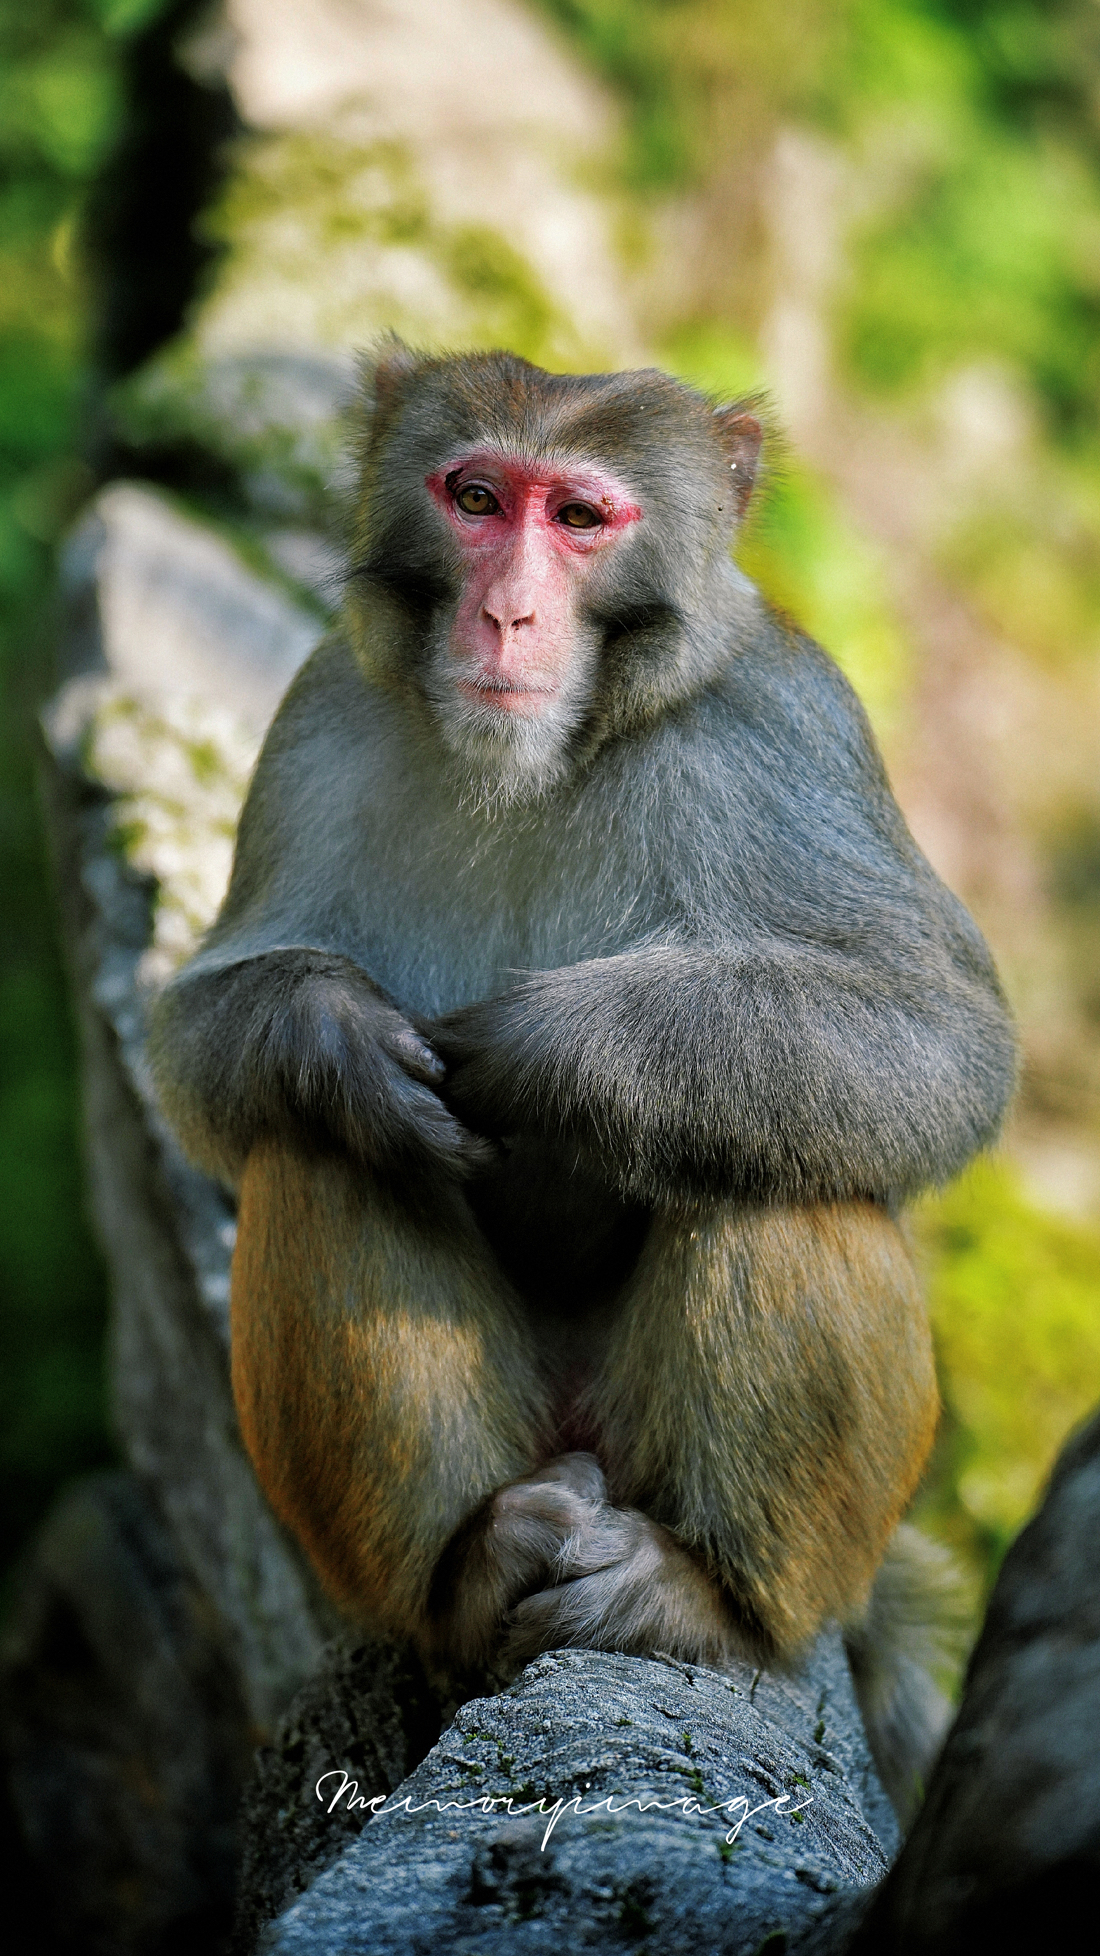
580 1016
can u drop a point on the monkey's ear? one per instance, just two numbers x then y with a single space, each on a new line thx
383 373
741 434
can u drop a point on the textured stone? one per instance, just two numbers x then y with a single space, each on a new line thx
578 1727
146 776
497 136
165 606
370 1708
1008 1839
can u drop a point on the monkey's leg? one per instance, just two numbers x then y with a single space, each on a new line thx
384 1379
767 1404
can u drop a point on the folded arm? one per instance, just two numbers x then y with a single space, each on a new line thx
773 1071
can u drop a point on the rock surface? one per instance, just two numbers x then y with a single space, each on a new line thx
125 1730
135 718
368 1709
600 1800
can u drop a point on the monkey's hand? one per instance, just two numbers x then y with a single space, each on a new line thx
550 1562
493 1056
303 1043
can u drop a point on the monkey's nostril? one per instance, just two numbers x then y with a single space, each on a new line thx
512 624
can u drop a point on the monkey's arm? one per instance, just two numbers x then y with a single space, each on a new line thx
300 1044
771 1072
274 1032
821 1019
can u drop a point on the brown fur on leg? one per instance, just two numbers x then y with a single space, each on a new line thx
383 1376
769 1396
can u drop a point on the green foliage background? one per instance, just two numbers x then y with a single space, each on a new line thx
59 108
984 119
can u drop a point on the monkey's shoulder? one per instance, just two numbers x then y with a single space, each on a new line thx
778 726
326 702
780 685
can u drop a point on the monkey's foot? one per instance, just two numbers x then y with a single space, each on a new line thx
509 1550
551 1562
622 1582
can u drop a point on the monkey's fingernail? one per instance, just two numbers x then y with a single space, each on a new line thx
418 1052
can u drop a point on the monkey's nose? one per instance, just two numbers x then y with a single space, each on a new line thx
503 622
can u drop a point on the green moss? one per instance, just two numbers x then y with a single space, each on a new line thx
1034 570
1015 1303
511 299
339 190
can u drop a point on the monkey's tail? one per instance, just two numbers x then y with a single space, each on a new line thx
915 1626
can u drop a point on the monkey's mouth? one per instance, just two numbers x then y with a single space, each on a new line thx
524 697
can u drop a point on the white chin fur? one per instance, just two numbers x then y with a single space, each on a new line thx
504 757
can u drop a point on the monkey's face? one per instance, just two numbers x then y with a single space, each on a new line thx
513 661
542 558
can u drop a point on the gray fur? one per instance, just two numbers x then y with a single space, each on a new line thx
916 1624
715 954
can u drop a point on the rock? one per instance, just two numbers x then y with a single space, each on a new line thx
473 149
1008 1839
126 1734
145 780
369 1707
272 416
576 1728
165 607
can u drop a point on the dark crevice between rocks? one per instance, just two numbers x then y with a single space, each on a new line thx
142 229
370 1713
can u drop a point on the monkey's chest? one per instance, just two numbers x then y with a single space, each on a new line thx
448 911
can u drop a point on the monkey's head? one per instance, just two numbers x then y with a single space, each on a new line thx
543 558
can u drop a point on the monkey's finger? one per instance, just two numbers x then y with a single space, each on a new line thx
569 1613
426 1129
530 1525
398 1125
418 1058
603 1608
580 1471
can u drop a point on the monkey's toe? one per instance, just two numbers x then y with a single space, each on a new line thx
628 1585
580 1471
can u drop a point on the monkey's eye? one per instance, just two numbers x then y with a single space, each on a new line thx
476 500
579 516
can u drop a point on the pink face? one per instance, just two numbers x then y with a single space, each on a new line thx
529 540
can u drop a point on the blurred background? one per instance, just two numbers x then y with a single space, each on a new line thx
886 213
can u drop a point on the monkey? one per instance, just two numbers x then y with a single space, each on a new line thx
580 1018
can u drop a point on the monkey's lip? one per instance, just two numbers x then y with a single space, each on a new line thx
509 697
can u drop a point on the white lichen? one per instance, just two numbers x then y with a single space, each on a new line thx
178 768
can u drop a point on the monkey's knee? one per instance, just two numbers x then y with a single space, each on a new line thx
382 1383
772 1400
